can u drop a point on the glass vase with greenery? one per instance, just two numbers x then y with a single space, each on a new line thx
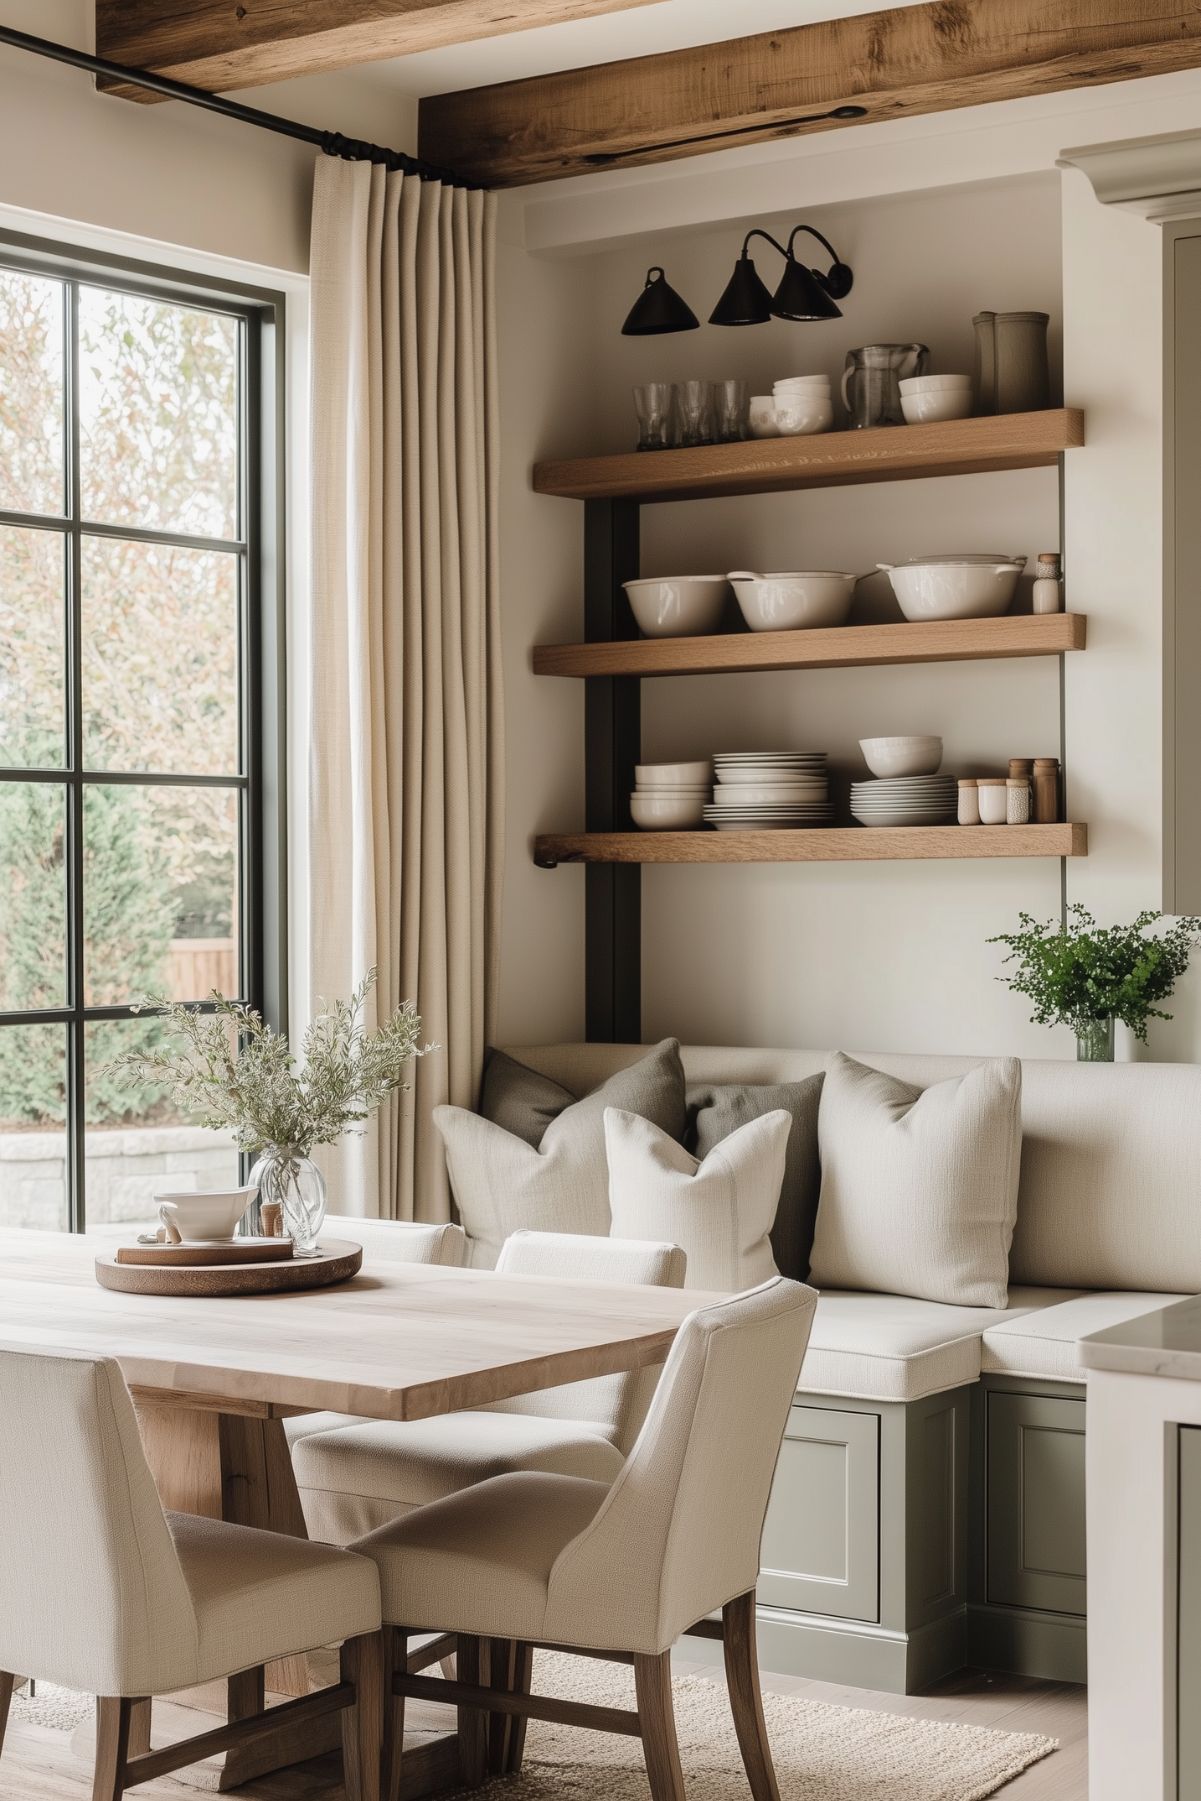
1086 976
230 1071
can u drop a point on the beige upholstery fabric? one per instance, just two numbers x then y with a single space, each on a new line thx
1111 1152
677 1535
503 1185
100 1591
406 763
719 1211
352 1481
1044 1344
887 1347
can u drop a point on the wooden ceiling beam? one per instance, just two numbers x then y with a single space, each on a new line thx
894 64
222 45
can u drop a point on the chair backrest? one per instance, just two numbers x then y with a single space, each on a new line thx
92 1594
616 1405
680 1530
410 1241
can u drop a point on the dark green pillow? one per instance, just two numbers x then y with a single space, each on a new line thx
714 1111
523 1102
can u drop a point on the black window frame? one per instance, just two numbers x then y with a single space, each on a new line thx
261 550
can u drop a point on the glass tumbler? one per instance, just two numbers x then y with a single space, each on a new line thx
693 412
731 411
652 403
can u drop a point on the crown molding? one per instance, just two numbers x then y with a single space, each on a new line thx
1156 178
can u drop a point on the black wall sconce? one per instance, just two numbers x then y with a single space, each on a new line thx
803 293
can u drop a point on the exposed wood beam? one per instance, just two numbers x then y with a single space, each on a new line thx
895 64
224 44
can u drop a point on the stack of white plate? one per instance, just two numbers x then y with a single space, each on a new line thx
906 800
770 790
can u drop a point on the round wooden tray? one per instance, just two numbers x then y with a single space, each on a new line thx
337 1260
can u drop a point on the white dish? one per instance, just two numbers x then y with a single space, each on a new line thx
802 381
770 756
901 756
678 606
668 775
764 825
898 787
776 795
934 384
962 589
793 600
933 408
762 416
667 812
803 420
209 1217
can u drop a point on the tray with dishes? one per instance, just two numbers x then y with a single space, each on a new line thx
264 1266
208 1254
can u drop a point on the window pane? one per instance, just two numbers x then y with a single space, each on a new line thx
32 656
31 393
33 1133
160 874
135 1143
33 896
160 658
158 415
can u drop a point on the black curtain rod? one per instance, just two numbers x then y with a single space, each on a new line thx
333 143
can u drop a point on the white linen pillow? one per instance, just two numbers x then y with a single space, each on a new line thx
919 1187
718 1211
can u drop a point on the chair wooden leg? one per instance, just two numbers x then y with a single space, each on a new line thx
112 1747
139 1727
523 1676
746 1700
502 1662
363 1722
656 1717
7 1679
395 1663
472 1663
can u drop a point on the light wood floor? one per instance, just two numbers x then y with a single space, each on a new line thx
41 1765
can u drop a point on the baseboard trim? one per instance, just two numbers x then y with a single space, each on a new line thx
1047 1645
854 1653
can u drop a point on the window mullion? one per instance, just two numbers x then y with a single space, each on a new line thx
76 1048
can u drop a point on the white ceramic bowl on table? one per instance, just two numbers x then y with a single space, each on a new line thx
673 775
762 416
910 755
678 606
793 600
664 812
932 409
954 587
934 384
803 417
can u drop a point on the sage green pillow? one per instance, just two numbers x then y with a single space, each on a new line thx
716 1110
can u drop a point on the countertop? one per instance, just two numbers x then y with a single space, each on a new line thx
1164 1343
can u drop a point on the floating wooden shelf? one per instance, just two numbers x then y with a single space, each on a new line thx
829 460
842 844
840 647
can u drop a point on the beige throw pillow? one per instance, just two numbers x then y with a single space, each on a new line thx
919 1188
718 1211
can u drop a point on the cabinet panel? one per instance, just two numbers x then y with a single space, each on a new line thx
1036 1502
1188 1614
821 1538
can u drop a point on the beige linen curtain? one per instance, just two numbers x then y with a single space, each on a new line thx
405 755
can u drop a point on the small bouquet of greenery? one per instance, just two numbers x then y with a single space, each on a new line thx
1080 973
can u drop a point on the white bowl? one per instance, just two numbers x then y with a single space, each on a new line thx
887 757
954 590
208 1217
817 384
804 419
668 812
794 600
674 775
678 606
943 403
762 416
933 384
801 381
787 794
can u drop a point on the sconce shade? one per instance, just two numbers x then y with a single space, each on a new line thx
658 309
802 295
746 300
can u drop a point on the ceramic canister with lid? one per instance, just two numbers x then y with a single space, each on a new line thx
1017 801
969 801
991 790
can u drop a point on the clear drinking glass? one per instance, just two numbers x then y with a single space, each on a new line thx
693 412
652 403
731 411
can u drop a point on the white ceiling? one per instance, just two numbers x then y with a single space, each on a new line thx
666 25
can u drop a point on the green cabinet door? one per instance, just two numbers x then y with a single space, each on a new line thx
821 1538
1036 1502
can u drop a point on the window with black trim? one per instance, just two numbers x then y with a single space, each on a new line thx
139 713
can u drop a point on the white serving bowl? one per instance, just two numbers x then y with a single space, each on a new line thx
668 812
802 381
208 1216
819 385
912 755
803 421
954 590
788 794
673 775
678 606
933 384
941 403
762 416
793 600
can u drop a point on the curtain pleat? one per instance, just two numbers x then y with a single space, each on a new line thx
405 758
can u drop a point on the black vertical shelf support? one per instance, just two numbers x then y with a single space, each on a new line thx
612 737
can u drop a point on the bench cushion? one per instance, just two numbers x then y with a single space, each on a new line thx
1044 1344
887 1347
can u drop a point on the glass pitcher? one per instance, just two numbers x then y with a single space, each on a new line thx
871 382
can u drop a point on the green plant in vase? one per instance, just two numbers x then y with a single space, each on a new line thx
230 1071
1086 976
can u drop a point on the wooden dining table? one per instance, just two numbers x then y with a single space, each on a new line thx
213 1380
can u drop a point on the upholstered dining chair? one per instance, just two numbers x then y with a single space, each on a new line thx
615 1570
100 1590
366 1472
